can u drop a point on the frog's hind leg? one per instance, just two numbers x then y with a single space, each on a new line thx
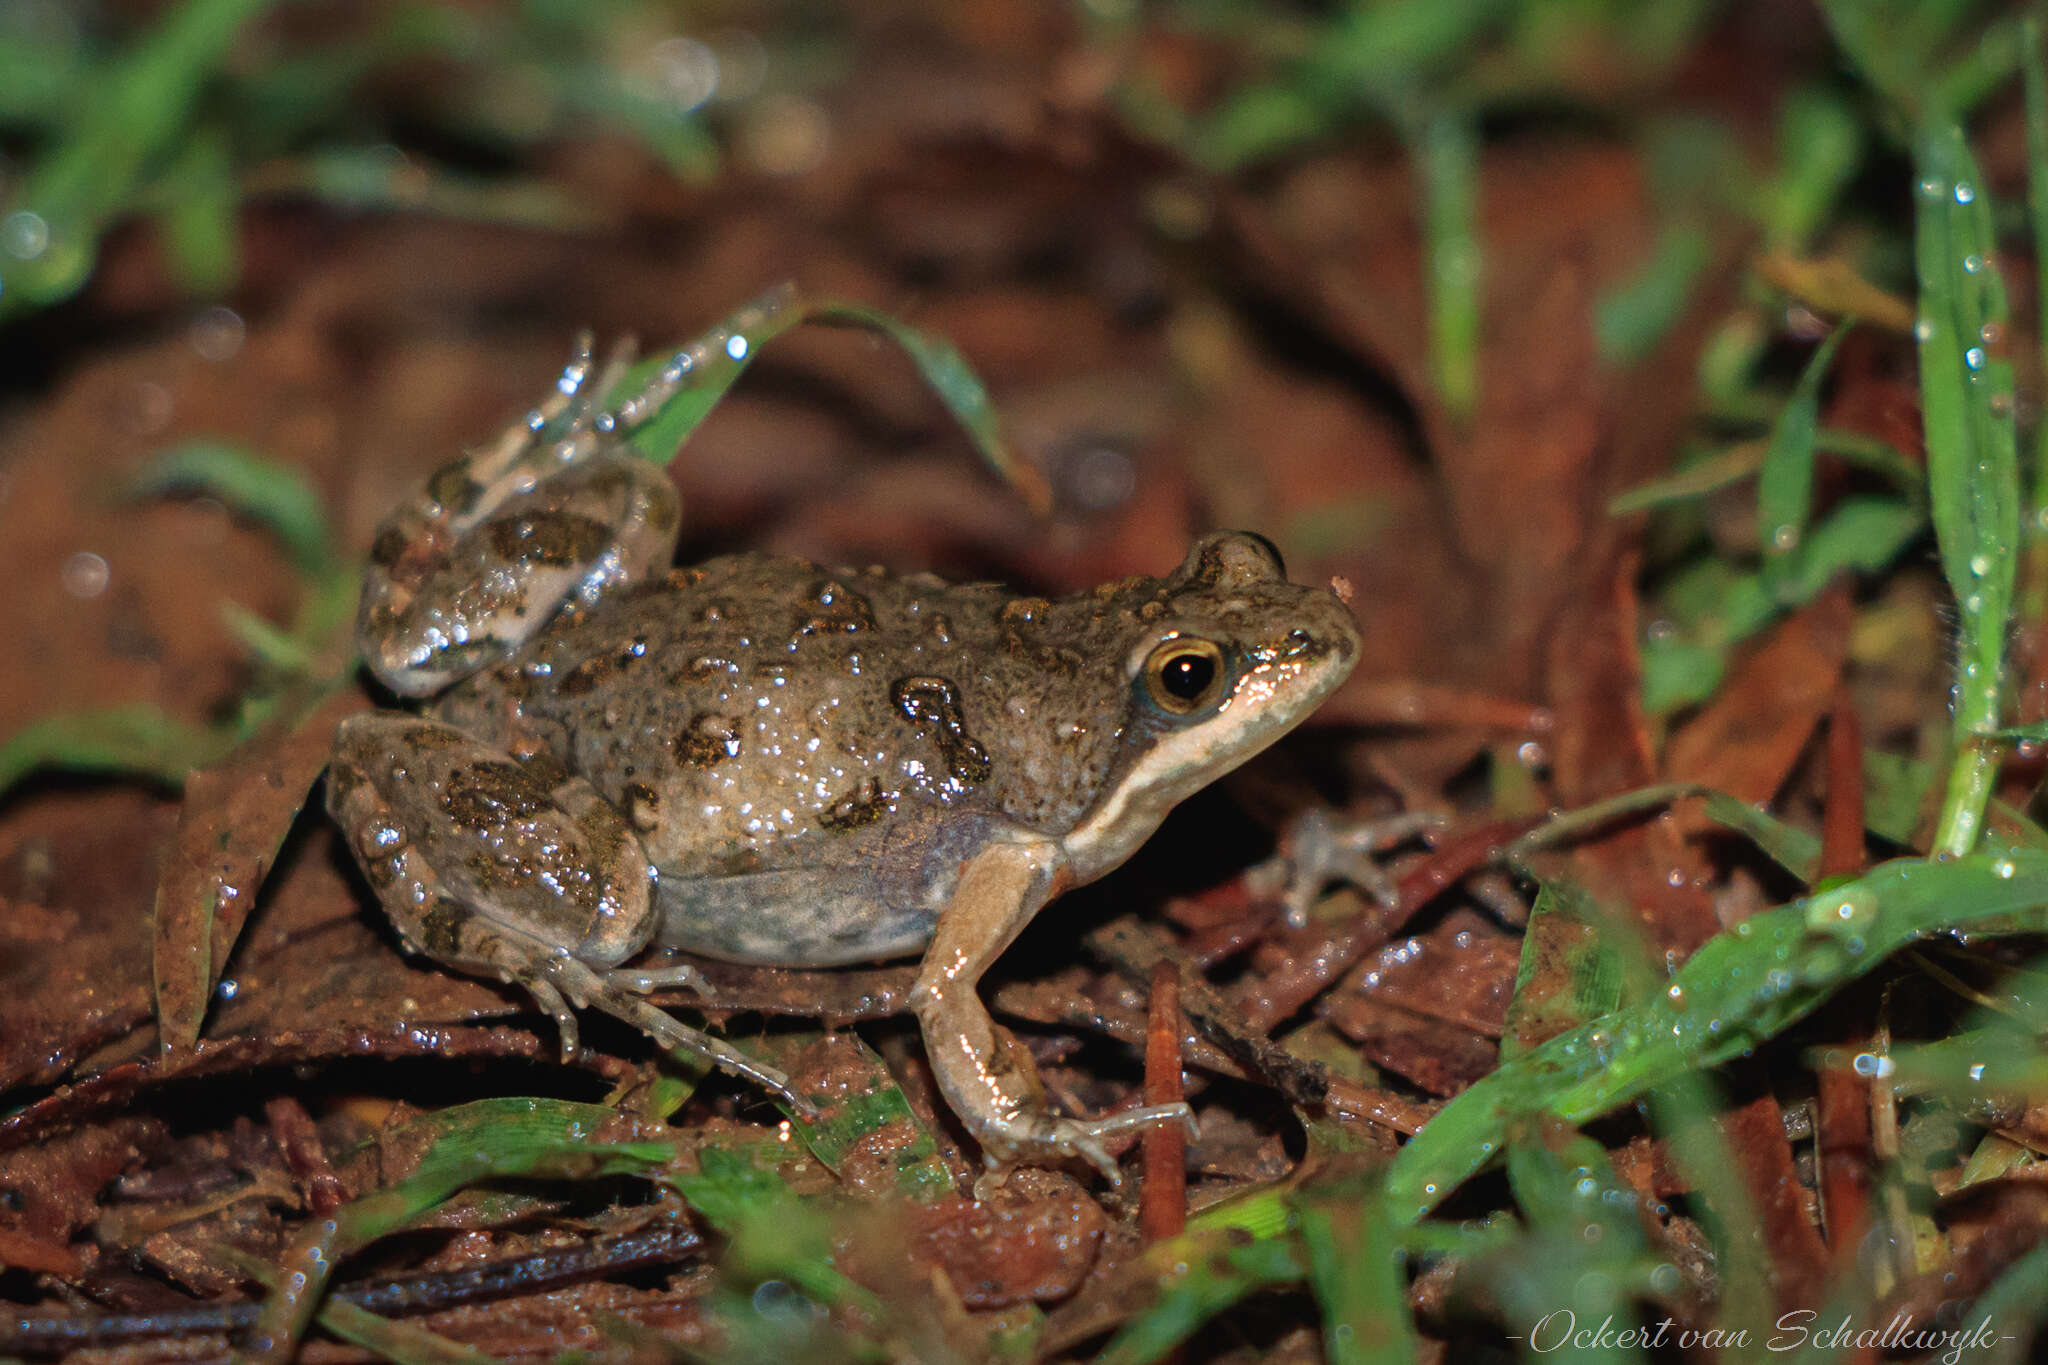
553 515
508 869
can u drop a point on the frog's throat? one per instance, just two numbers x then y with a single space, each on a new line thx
1266 703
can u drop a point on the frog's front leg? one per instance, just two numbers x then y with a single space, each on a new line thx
508 869
554 513
990 1086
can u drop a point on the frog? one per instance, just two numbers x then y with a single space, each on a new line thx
598 755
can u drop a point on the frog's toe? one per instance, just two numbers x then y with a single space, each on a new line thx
683 974
555 1007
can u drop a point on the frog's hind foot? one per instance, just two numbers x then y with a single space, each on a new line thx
588 987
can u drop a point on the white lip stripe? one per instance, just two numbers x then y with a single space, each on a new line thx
1249 721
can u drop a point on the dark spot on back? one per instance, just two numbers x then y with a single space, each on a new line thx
707 741
864 805
933 705
550 539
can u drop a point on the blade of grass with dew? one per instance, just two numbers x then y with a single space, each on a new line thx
142 105
1784 486
1739 990
484 1140
1446 155
1972 470
1896 790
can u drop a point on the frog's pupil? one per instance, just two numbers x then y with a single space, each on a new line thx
1187 676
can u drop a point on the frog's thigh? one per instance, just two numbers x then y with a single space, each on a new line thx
431 617
477 855
511 869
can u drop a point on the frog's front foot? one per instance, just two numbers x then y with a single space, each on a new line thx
1040 1137
1316 850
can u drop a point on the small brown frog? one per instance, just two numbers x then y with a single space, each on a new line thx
761 760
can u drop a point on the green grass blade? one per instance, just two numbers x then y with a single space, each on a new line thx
1447 161
1784 489
708 367
1966 393
480 1141
274 496
1820 144
139 740
140 108
1630 319
1219 1272
1739 990
1358 1270
949 376
1716 609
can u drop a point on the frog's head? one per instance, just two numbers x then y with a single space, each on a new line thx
1224 659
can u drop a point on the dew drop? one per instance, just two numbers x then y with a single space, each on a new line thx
1966 193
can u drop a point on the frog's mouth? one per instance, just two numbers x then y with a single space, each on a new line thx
1265 702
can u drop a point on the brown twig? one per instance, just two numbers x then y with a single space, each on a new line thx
424 1293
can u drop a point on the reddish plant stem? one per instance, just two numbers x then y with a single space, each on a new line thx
1163 1198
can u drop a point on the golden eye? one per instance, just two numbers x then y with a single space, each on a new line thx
1184 675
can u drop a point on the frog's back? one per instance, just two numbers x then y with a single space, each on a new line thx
780 732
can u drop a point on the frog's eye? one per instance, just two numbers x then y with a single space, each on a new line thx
1185 674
